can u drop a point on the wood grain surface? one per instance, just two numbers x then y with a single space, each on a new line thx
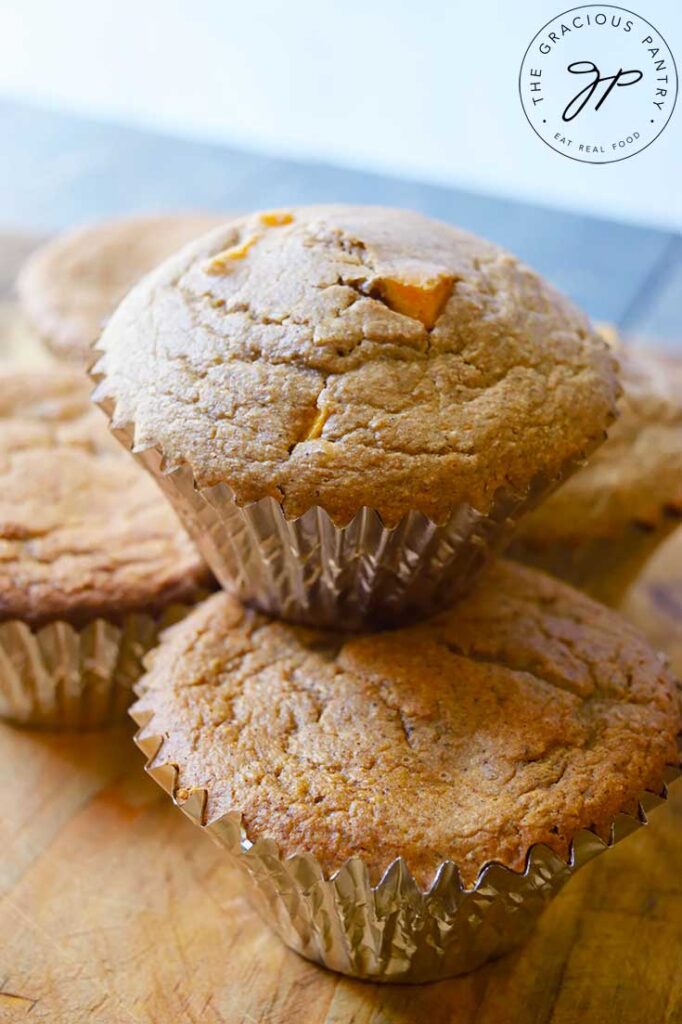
115 909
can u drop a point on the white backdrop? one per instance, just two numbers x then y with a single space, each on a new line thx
416 88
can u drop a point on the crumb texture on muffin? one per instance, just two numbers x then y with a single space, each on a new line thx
356 356
84 531
635 477
522 715
70 286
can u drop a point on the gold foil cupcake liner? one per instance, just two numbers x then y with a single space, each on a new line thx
393 931
311 571
60 677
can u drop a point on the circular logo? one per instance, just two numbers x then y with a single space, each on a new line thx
598 83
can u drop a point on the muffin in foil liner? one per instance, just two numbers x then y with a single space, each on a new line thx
310 571
603 567
393 931
58 676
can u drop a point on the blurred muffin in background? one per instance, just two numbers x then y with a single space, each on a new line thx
654 602
20 345
69 287
599 528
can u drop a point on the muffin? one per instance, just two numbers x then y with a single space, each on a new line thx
70 286
349 406
19 343
94 561
598 529
654 602
365 785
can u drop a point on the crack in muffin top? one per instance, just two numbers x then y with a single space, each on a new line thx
356 356
520 716
84 531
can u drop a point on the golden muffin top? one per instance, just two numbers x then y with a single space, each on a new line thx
84 532
523 714
356 356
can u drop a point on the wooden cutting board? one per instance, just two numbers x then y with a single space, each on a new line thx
115 909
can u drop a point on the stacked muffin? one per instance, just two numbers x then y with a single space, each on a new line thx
368 398
406 747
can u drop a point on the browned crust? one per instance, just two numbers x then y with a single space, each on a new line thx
84 532
283 361
523 715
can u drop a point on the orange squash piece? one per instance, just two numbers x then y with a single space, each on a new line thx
423 301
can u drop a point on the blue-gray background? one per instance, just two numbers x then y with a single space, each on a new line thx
58 170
